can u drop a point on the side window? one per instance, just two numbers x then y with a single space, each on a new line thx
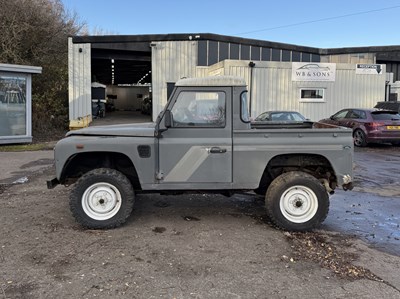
354 114
199 109
358 114
244 108
362 114
340 114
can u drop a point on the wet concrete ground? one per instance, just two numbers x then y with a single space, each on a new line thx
372 210
375 219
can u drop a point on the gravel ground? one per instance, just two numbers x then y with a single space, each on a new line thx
187 246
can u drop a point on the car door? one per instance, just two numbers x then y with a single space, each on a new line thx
354 118
197 147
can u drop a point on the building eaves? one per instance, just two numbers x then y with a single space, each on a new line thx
190 36
109 39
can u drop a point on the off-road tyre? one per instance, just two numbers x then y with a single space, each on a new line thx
102 198
296 201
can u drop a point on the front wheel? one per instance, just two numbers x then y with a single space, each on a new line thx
102 198
296 201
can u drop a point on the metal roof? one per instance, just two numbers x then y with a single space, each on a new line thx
17 68
143 41
212 81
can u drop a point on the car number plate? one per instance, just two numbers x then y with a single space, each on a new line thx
393 127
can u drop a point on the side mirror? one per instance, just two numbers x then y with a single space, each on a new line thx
332 117
168 119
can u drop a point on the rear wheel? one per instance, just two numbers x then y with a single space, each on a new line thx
102 198
297 201
359 138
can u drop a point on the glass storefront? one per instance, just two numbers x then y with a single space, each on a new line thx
13 104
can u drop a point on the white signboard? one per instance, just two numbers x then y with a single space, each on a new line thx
369 69
312 71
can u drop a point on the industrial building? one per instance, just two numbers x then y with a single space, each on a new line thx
316 82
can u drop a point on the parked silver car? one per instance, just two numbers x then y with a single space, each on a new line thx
280 116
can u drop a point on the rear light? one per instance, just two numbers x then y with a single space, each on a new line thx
374 125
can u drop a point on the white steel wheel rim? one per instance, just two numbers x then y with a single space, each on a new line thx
299 204
101 201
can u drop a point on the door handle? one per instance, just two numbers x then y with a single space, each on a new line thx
217 150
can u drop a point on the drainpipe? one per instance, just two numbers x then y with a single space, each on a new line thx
387 91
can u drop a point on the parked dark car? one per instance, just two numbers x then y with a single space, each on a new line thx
389 105
280 116
369 125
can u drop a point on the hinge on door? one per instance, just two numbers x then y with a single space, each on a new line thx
159 176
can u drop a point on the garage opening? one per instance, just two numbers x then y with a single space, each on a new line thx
121 83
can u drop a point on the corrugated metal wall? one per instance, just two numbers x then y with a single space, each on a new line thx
273 89
350 58
79 77
171 61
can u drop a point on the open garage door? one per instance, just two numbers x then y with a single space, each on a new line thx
127 77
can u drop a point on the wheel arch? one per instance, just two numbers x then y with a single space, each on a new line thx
79 164
317 165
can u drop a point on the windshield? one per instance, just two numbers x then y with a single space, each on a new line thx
244 107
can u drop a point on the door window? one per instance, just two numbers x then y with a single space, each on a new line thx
341 114
199 109
357 114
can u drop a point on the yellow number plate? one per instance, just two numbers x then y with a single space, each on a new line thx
393 127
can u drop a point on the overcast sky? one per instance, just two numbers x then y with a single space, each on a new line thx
323 24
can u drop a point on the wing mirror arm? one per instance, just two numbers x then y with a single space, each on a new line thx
168 119
167 124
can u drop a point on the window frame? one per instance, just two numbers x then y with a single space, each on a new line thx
198 125
245 92
312 100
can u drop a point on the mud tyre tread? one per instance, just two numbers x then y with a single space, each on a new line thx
112 177
282 183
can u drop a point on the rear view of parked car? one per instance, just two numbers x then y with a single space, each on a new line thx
369 125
